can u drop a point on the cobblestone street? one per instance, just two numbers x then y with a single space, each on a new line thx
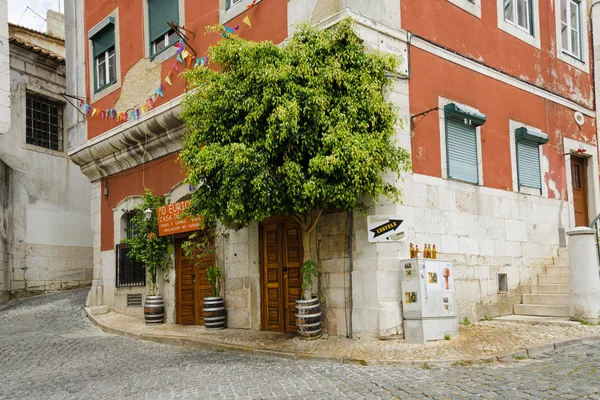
49 350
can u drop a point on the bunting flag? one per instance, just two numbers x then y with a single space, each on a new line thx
184 57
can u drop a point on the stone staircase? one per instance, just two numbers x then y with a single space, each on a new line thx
549 296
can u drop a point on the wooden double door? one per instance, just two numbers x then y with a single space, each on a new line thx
191 286
281 261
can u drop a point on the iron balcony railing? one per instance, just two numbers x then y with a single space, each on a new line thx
129 272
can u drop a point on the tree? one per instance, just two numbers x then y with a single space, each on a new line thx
145 245
290 130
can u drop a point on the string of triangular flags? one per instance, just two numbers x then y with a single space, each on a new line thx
183 57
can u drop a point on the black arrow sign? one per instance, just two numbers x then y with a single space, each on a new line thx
389 226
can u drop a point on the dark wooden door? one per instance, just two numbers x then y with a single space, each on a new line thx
281 258
579 182
191 286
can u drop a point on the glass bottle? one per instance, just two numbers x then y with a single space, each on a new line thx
412 251
434 253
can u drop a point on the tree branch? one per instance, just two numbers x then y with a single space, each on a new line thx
298 218
316 219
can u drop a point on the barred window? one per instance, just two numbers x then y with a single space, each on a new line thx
44 122
129 272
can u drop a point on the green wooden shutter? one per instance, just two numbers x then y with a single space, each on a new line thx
160 12
227 4
461 151
528 164
104 40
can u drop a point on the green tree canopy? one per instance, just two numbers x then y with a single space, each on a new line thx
290 130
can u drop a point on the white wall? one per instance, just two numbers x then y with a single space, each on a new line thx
50 236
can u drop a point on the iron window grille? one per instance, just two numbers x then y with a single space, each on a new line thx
129 271
44 123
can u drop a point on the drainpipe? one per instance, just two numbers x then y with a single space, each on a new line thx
351 265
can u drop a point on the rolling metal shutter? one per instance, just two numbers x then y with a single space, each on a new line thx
461 151
528 164
104 40
160 12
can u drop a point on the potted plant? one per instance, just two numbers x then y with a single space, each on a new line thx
308 309
148 247
199 247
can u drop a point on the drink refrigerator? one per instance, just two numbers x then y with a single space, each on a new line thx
428 305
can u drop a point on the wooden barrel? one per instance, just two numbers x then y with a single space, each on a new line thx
154 310
308 318
214 313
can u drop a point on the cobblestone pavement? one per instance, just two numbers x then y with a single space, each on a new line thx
49 350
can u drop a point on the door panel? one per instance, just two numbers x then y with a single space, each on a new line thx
292 275
579 183
191 286
281 258
272 279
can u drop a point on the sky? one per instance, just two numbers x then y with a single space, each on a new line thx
19 14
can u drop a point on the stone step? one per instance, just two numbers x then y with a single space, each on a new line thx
542 310
553 278
563 252
560 261
548 299
553 269
550 289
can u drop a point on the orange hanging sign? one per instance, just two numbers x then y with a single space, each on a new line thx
171 220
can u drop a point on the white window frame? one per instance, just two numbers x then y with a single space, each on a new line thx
106 56
237 8
165 41
443 150
532 36
569 50
544 165
95 96
515 7
581 62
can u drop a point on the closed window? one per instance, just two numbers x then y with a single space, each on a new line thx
461 151
160 13
44 122
105 58
518 13
462 156
570 27
529 169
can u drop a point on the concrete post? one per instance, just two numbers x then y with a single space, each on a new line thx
584 298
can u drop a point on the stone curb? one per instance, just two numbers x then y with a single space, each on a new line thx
204 344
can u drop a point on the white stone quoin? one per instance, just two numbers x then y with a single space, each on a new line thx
584 297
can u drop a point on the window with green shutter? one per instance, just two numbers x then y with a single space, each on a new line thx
103 50
529 170
160 13
229 3
461 142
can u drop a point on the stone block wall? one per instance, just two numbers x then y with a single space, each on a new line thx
334 266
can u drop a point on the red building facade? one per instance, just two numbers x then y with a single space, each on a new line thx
498 109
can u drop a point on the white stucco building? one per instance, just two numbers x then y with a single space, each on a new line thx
45 233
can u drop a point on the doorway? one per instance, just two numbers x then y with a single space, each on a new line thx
191 286
580 189
281 280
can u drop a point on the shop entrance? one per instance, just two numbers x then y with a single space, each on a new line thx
580 188
191 286
281 281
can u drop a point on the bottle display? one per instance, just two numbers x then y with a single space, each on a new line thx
434 253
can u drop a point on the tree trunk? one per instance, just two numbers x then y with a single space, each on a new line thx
309 248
